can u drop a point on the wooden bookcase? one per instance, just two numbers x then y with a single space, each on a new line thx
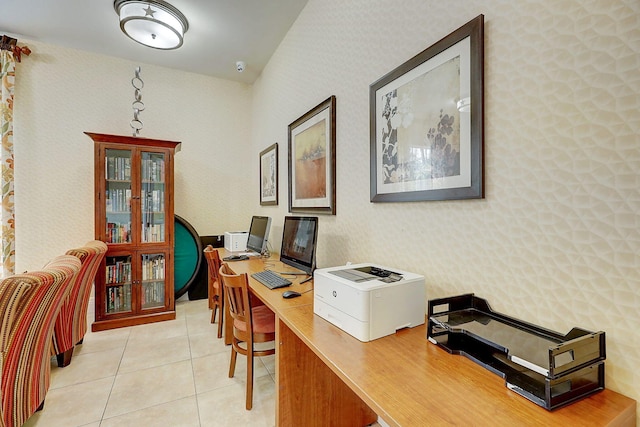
134 217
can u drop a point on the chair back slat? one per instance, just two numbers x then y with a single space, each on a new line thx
215 290
237 293
213 262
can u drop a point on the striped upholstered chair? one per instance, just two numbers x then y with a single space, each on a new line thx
71 324
29 305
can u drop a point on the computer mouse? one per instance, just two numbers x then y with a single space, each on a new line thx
290 294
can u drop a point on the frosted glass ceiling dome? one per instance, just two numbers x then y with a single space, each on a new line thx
153 23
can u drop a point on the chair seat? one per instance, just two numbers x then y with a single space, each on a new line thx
263 321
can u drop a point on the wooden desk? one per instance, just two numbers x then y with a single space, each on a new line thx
411 382
324 377
272 298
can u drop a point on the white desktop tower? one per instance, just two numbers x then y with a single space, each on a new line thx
235 241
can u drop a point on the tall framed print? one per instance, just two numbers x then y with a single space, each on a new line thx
312 160
269 176
427 122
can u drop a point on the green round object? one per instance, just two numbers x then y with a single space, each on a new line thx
187 256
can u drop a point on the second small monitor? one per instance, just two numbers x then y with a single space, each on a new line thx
299 237
259 234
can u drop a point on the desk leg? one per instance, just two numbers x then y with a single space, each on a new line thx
308 392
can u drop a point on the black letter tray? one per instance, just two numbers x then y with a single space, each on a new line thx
547 368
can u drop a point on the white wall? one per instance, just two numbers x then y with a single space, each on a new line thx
61 93
555 241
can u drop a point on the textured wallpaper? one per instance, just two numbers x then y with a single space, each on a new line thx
61 93
556 240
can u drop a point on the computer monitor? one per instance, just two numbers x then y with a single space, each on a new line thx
299 237
258 234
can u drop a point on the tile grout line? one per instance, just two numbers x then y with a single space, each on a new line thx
115 377
193 373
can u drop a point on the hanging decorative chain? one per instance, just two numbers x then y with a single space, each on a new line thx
137 105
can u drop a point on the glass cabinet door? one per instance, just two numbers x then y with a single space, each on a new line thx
152 197
153 283
134 216
118 284
118 196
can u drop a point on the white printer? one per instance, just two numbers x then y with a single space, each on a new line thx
369 301
235 241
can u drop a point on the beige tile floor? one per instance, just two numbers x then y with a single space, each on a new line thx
172 373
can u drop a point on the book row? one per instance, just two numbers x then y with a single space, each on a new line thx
118 168
118 299
120 272
153 233
153 169
118 200
152 294
118 232
152 201
121 233
153 267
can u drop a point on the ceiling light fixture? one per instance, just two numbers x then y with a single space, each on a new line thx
153 23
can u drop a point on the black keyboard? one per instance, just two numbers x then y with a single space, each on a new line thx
270 279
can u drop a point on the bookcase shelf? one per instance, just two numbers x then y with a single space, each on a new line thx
134 216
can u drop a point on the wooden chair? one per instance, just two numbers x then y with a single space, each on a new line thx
251 324
215 289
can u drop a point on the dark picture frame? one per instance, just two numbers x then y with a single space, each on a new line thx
427 123
312 160
269 176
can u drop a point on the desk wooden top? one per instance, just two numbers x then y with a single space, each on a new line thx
272 298
408 381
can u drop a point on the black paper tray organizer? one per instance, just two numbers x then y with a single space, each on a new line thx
550 369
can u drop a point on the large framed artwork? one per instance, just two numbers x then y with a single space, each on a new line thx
269 175
427 122
312 160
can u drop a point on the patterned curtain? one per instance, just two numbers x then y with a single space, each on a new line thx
7 216
9 55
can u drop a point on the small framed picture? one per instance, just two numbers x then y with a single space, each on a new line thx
269 176
427 122
312 160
